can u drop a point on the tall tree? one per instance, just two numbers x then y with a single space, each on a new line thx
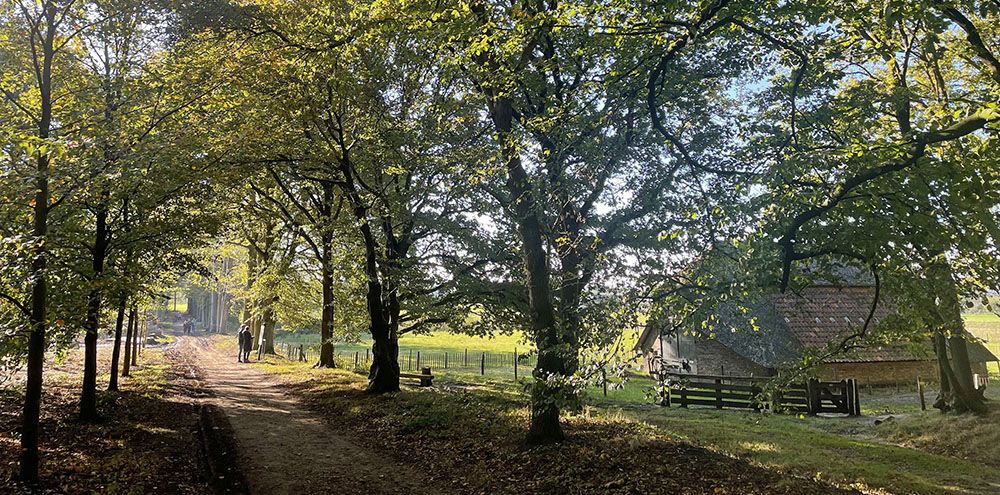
39 35
574 93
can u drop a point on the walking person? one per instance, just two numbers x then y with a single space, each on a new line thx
241 338
247 339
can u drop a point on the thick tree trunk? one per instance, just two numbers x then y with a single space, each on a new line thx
383 376
116 350
967 398
958 371
88 396
129 338
945 398
553 351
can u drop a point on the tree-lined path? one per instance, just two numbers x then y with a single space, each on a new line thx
282 447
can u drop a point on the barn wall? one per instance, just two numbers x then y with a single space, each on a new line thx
888 373
709 357
883 373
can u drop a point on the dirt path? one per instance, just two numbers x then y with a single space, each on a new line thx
283 448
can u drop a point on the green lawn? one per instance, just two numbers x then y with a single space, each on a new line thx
434 341
841 450
987 327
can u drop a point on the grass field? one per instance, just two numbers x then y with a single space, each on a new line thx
987 327
434 341
846 451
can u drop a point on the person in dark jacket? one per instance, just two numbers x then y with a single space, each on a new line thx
247 343
241 337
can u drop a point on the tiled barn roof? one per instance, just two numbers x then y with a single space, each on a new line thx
814 317
820 315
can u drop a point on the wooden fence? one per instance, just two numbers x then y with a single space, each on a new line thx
811 397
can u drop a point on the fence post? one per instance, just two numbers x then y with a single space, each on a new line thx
718 393
482 365
409 361
515 363
356 354
418 359
812 396
920 391
445 359
466 362
857 397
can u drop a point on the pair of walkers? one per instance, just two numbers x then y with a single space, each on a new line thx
246 344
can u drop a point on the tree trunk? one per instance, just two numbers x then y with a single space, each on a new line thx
129 338
37 317
958 371
945 398
552 351
141 343
88 396
255 329
967 398
326 324
116 351
269 328
326 265
383 376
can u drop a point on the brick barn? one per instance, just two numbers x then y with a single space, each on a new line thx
788 323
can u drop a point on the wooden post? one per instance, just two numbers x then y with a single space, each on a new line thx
418 359
426 379
515 363
366 356
920 392
812 396
482 365
857 397
718 393
356 354
849 396
445 359
466 362
302 353
409 361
